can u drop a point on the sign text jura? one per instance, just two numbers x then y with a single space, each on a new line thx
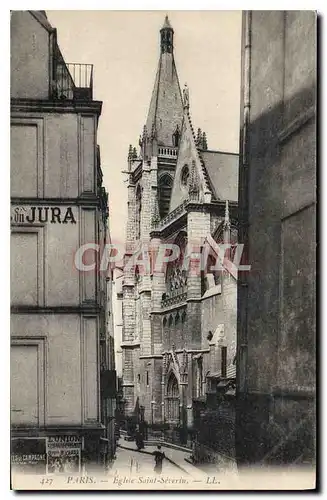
31 215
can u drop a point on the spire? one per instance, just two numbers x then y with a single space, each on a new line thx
199 138
166 24
226 229
166 105
227 220
156 215
166 37
193 186
186 96
204 142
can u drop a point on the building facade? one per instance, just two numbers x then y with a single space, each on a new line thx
277 214
62 371
179 320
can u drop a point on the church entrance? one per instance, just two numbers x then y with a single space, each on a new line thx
173 400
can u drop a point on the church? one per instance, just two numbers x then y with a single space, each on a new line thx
179 322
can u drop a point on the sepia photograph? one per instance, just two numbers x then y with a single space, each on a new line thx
163 247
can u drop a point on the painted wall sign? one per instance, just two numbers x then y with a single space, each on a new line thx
29 455
39 214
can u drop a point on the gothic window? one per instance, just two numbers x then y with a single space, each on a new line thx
185 176
223 361
176 137
173 399
164 192
170 321
164 323
183 316
199 377
138 212
177 318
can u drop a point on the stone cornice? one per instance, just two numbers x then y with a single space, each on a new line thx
86 309
151 356
293 127
51 106
90 200
130 344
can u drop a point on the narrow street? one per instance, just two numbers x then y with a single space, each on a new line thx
134 469
138 463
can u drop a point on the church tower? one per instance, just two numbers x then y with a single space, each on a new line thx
150 180
161 133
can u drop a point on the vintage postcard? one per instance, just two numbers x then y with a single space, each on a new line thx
163 250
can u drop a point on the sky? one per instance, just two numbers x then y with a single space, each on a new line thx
124 48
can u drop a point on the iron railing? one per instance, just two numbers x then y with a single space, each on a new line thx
73 81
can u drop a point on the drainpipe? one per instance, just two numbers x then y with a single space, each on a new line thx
242 288
244 201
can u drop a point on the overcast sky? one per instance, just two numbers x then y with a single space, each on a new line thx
124 48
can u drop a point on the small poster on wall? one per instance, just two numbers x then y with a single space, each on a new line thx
64 454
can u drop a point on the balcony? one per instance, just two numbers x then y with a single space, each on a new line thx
175 299
73 81
167 152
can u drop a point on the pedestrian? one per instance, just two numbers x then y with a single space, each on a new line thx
139 441
158 459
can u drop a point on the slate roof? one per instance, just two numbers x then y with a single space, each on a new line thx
222 171
41 16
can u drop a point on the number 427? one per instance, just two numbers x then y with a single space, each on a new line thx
48 481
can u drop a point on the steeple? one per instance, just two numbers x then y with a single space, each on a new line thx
227 220
165 114
167 37
227 228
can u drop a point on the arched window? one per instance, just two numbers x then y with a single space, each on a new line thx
185 176
165 185
177 318
138 211
164 322
170 321
173 399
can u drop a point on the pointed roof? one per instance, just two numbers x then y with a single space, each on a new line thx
227 219
222 171
215 173
198 186
166 24
166 105
41 17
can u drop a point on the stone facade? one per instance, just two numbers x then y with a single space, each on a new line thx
277 202
61 331
171 313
